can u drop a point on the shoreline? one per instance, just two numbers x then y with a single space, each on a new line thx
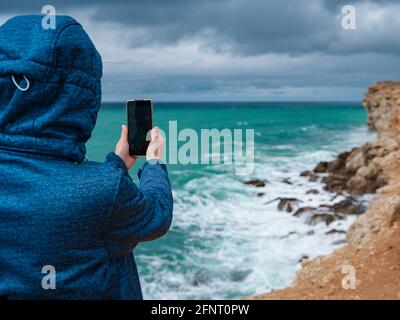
373 249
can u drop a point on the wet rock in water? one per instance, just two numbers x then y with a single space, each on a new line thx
339 164
334 197
312 191
310 233
287 181
335 231
305 173
289 234
345 207
328 213
256 183
299 212
335 183
239 275
321 167
285 204
288 204
320 217
260 194
303 258
312 177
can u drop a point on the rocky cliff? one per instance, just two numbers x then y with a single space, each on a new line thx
372 256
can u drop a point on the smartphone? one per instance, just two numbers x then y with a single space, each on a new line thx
140 122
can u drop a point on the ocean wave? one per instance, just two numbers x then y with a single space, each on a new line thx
232 243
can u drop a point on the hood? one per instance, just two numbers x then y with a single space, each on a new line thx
61 70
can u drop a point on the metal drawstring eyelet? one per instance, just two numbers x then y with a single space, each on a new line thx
28 84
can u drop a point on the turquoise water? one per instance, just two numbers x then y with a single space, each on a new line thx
225 242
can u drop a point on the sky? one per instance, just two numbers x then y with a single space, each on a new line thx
235 50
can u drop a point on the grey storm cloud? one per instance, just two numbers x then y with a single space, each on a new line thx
247 27
248 48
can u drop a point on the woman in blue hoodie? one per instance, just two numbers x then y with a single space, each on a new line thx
77 219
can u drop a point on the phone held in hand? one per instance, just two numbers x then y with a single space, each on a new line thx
140 122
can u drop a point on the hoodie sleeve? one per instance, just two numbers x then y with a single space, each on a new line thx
140 214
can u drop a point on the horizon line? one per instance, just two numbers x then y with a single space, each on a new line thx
244 101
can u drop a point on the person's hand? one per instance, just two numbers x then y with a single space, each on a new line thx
122 148
156 147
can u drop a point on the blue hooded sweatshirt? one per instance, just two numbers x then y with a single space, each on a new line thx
67 226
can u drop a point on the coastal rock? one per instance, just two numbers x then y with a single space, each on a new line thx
303 258
329 213
320 217
314 216
288 204
339 164
357 185
378 148
369 172
345 207
312 191
335 182
256 183
312 177
360 184
287 181
335 231
321 167
309 210
355 160
359 171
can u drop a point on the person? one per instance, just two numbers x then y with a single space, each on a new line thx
67 225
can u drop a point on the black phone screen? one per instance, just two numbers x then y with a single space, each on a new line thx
139 113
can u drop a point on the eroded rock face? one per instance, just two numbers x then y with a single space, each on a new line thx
383 104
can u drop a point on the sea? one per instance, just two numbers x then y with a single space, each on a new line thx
228 240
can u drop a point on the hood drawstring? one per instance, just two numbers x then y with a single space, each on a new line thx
28 84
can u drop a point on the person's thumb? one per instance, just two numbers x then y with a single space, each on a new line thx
154 134
124 134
